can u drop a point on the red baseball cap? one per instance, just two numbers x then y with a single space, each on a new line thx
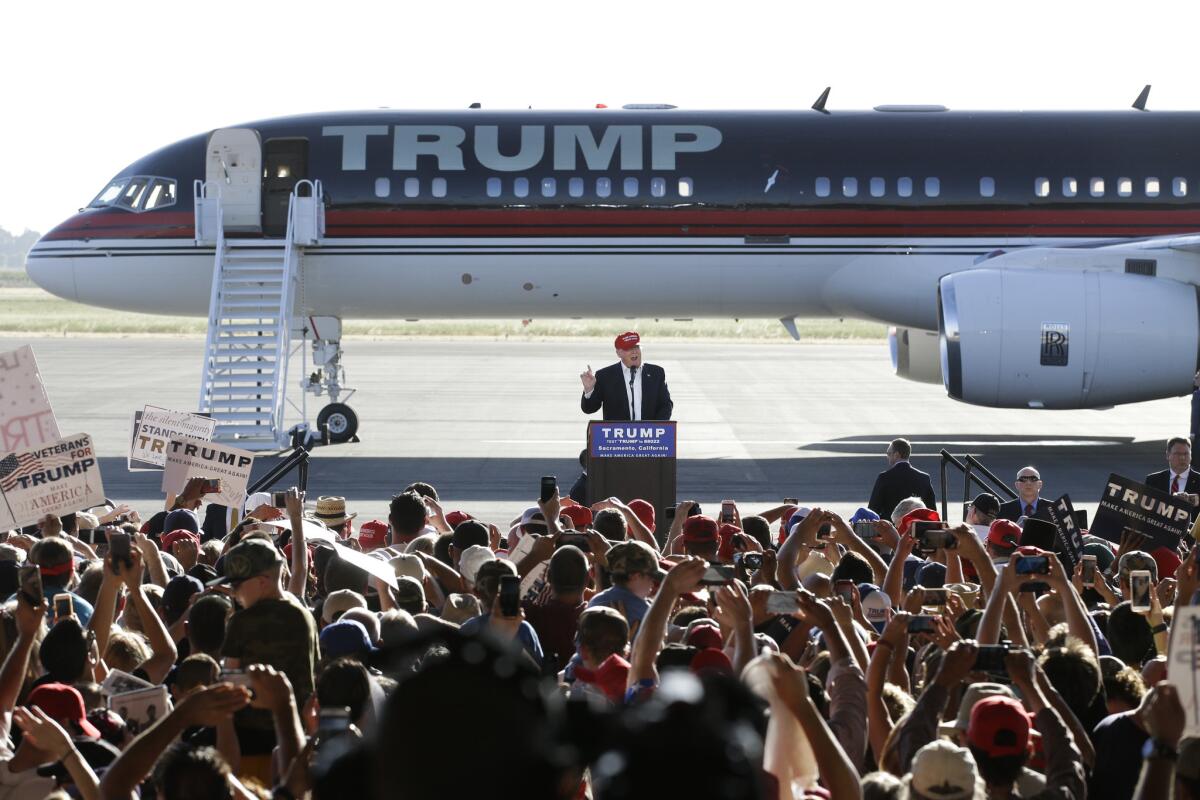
1168 561
177 534
923 514
726 532
700 529
643 511
455 518
63 703
627 341
1004 533
373 535
581 516
711 660
999 726
705 636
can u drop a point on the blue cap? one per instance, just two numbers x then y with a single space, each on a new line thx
346 637
864 515
182 518
931 575
911 565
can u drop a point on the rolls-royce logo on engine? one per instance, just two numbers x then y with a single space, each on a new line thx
1055 343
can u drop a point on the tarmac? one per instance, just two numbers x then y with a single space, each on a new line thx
483 420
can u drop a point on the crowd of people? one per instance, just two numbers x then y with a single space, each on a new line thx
582 652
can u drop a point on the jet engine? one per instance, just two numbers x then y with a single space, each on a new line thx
915 354
1020 338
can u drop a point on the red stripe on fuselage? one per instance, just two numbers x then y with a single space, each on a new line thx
670 222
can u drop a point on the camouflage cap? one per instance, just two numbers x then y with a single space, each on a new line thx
626 558
248 559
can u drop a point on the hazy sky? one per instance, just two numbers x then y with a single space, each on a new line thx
91 87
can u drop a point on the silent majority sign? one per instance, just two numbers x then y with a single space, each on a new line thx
58 478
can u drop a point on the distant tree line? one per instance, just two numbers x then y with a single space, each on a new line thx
14 248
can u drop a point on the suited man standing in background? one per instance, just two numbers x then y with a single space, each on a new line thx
629 389
1179 477
1029 502
899 481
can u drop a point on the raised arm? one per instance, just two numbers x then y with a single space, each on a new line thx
47 735
12 675
684 577
162 648
892 645
843 534
299 566
1078 622
789 552
206 707
273 692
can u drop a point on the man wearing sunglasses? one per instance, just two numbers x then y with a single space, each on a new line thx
1029 502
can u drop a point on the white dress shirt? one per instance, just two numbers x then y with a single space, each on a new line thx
636 401
1172 477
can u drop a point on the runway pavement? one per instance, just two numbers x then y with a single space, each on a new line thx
483 420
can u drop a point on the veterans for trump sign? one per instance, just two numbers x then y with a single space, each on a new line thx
155 427
192 458
60 477
26 419
1128 504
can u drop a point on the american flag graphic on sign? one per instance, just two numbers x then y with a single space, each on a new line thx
16 466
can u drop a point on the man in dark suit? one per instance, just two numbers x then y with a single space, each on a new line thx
1178 477
899 481
629 389
1029 502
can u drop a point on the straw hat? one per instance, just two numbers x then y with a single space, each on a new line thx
332 511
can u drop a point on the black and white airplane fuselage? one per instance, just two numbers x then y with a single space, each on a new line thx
1053 252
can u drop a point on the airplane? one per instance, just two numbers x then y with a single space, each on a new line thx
1023 259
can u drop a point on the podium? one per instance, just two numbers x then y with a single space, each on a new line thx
630 460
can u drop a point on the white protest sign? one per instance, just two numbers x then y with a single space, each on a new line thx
59 478
156 427
141 708
311 530
119 681
26 419
372 566
1183 664
191 458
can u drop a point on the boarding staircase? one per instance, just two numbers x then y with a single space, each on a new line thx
250 329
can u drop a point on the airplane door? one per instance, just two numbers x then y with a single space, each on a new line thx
285 162
234 163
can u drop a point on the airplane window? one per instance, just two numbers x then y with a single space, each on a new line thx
631 187
685 187
437 187
493 187
933 187
658 187
1152 187
132 196
383 187
1124 187
109 194
521 187
822 187
1096 187
603 187
162 194
412 187
1070 187
549 187
877 187
987 187
575 187
904 187
850 187
1041 187
1179 187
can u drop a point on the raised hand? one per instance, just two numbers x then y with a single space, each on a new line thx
588 379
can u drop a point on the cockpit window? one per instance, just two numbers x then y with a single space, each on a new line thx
137 193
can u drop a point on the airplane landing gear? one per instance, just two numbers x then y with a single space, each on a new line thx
337 422
340 420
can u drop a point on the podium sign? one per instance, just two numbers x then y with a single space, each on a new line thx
632 440
630 460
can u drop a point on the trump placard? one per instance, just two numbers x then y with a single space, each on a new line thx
1127 504
58 478
155 427
192 458
26 419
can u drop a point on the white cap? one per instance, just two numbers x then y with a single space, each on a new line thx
943 770
407 566
472 559
340 601
877 608
255 500
816 562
